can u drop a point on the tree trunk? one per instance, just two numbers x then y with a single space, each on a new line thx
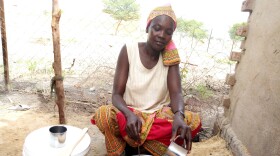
209 39
58 80
118 27
192 38
4 46
233 42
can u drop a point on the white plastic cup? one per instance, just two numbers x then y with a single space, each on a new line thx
57 136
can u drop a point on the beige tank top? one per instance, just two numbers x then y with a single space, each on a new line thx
146 89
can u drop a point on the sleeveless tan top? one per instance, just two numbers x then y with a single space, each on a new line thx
146 89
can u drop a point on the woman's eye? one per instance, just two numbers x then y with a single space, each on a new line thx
169 32
157 28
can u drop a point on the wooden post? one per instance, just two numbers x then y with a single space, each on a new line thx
4 46
58 80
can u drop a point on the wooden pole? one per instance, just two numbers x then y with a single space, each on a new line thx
58 80
4 46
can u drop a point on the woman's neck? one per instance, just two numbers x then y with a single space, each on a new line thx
149 51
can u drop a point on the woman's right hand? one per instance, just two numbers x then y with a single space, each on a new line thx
133 126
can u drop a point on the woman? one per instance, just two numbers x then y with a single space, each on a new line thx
148 111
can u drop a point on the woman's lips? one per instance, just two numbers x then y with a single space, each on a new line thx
160 43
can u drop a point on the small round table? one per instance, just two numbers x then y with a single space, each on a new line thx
37 142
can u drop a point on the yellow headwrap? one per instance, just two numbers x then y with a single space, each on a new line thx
162 10
170 53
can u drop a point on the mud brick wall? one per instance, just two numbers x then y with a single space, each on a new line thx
253 104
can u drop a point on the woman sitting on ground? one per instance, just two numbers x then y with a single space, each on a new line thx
148 111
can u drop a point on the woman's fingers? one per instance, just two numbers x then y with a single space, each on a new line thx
129 131
189 139
139 126
183 133
139 130
133 129
135 133
174 132
181 128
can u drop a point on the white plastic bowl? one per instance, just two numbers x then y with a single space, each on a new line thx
37 142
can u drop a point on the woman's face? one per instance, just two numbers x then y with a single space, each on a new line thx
160 32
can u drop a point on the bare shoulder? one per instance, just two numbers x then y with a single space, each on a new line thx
123 57
141 45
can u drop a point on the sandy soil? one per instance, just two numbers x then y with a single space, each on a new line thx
16 125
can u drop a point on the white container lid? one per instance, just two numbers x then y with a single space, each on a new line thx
38 142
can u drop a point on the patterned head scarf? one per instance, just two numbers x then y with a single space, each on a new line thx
170 54
162 10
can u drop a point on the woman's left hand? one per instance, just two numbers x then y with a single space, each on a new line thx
179 127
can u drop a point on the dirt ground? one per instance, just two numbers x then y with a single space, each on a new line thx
16 125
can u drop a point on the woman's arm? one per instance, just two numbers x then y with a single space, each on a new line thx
175 89
120 79
177 105
133 125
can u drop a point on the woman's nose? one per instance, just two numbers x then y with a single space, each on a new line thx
162 34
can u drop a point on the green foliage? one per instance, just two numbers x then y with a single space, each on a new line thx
49 69
43 41
192 28
71 40
184 73
122 10
47 13
203 91
225 61
68 72
32 66
38 66
183 70
232 32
